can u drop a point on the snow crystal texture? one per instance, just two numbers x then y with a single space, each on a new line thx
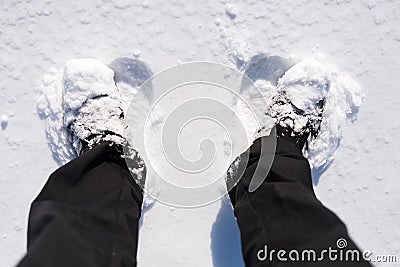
361 38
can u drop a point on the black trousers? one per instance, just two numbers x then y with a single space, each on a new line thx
284 214
88 213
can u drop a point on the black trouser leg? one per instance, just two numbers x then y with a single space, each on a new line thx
87 214
284 213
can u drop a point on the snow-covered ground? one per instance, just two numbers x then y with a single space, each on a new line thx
361 38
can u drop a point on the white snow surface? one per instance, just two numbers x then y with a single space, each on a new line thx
361 38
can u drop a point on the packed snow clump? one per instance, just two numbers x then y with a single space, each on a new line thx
50 109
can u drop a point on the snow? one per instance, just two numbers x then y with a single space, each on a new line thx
360 38
231 11
4 121
50 109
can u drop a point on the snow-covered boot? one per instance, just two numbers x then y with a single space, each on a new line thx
91 103
299 102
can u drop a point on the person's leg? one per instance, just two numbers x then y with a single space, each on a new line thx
284 213
87 213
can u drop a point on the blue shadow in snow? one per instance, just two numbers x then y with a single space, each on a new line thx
225 238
